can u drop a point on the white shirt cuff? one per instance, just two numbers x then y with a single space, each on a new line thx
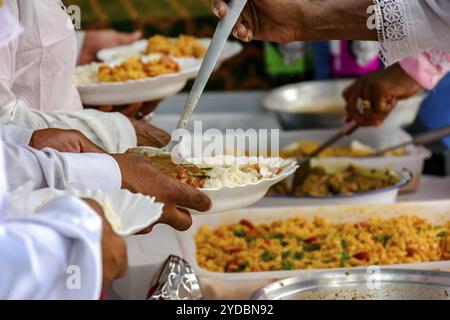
93 171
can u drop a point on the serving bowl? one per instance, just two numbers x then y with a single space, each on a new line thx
319 104
381 196
377 138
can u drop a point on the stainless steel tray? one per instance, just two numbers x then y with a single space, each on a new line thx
363 284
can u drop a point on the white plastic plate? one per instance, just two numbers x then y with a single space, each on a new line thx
148 89
135 211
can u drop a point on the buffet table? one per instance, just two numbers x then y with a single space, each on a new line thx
147 253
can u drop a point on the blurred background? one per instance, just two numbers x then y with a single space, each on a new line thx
261 67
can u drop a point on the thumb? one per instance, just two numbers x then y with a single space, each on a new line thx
128 38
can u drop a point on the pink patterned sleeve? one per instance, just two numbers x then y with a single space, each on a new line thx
427 68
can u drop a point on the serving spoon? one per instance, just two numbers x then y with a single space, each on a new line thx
420 139
218 41
305 162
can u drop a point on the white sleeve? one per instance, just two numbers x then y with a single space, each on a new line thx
54 254
409 27
50 168
16 134
111 131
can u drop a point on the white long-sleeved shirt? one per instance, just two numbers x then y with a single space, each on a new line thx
36 80
50 168
54 253
409 27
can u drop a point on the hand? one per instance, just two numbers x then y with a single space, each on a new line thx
114 249
270 20
148 135
139 176
379 91
284 21
63 140
94 41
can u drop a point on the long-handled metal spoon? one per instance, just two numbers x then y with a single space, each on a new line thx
305 162
218 42
420 139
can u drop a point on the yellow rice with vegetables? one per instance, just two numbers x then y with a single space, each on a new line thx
300 243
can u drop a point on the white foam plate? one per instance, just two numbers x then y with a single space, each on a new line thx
231 49
236 197
136 211
148 89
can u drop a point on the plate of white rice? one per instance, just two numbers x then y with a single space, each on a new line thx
236 182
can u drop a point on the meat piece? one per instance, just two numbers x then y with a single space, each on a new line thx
186 173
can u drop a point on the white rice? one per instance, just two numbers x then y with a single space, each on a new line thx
112 217
225 174
87 74
221 176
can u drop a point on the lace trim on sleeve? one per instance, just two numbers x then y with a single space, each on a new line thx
395 28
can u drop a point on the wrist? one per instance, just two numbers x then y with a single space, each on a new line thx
94 205
118 158
334 20
411 85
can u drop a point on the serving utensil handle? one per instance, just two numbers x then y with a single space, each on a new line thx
432 136
418 140
346 130
218 41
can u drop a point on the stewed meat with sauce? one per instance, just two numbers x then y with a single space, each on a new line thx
185 173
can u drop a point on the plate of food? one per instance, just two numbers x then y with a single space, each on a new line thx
131 80
128 213
235 254
230 182
344 183
359 149
182 47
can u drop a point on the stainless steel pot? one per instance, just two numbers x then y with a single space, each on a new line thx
319 104
373 283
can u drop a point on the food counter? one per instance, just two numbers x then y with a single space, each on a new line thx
146 253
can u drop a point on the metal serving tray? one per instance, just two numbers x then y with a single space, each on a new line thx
371 284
